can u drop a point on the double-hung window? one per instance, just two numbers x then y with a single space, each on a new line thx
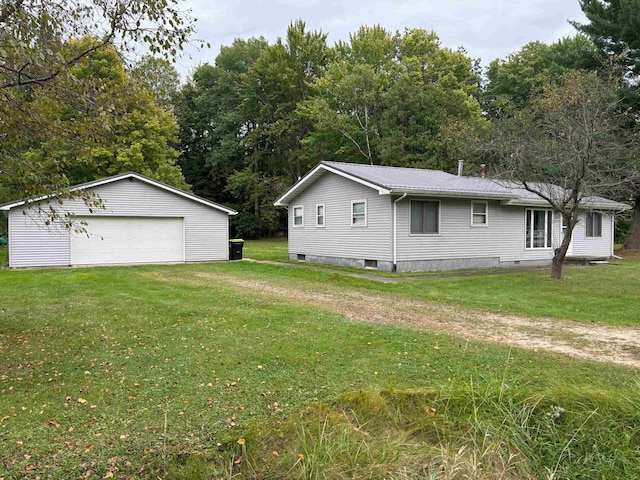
425 217
298 216
594 224
320 215
539 228
359 213
479 214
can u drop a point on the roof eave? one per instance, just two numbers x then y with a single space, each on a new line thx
445 194
621 207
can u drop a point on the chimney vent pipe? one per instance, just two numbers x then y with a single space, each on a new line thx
460 167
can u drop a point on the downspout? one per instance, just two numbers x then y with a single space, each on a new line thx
395 230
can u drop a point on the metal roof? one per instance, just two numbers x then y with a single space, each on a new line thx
84 186
415 181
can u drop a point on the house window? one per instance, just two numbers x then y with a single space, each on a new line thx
425 216
539 228
594 224
298 216
320 215
479 214
359 213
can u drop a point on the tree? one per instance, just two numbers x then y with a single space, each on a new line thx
128 131
396 100
615 29
36 65
279 80
160 77
212 127
569 144
520 75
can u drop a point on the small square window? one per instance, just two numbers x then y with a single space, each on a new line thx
298 216
425 217
479 213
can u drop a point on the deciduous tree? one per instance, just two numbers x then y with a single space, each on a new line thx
570 143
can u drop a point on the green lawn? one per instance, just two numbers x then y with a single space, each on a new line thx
4 253
272 249
603 294
158 371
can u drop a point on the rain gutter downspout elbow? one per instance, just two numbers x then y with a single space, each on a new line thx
395 230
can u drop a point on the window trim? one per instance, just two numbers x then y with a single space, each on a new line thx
324 215
293 219
549 221
361 225
418 234
586 225
486 213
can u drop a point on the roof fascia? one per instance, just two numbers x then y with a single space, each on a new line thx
621 207
282 201
441 194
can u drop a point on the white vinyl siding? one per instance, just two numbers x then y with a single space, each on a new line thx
320 215
584 246
502 238
339 238
206 229
479 214
298 216
359 213
425 217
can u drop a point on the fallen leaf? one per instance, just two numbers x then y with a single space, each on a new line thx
108 475
88 448
52 422
241 441
82 401
275 453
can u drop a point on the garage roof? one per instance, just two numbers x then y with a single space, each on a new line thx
123 176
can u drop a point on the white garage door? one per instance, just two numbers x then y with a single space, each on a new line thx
112 240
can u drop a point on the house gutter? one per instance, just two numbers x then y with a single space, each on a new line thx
395 230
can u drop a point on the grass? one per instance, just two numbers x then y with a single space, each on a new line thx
590 294
159 372
271 249
4 254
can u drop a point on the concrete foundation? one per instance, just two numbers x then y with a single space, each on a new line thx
418 265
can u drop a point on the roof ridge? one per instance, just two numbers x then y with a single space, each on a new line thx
331 163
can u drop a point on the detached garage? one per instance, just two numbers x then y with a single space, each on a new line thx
143 221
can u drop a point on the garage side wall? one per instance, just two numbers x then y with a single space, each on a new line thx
32 244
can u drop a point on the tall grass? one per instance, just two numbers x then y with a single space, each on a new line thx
457 432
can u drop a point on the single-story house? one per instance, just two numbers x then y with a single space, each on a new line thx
408 219
143 221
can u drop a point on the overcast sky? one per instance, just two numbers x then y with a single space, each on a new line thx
487 29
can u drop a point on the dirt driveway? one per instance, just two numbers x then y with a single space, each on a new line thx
620 345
